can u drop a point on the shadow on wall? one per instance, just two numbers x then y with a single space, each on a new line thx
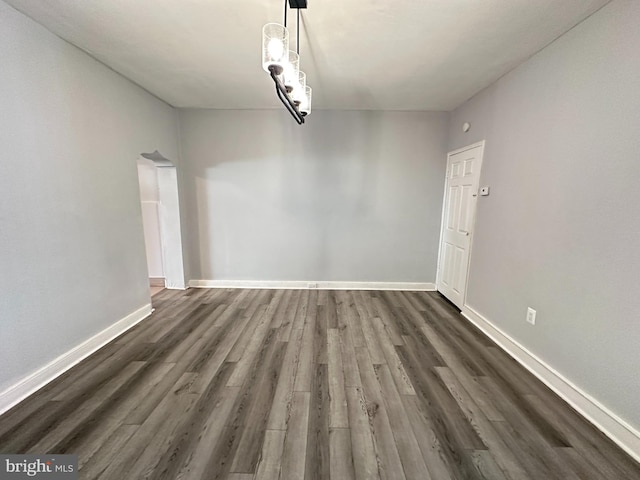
260 174
343 169
231 168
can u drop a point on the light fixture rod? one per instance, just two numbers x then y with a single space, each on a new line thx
298 34
285 13
281 91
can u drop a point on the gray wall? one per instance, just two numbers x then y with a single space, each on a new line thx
561 229
349 196
72 258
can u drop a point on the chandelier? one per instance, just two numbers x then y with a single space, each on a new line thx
284 65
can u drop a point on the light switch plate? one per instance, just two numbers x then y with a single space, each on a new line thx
484 191
531 316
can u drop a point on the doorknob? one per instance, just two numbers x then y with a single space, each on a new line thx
466 234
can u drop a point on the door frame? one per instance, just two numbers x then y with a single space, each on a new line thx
170 222
481 144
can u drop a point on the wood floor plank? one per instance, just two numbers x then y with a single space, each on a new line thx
256 321
161 319
94 466
18 419
256 313
364 455
248 299
601 455
368 332
252 348
508 463
196 426
90 440
320 336
349 361
338 416
206 329
532 461
389 320
521 415
583 467
317 457
366 304
294 454
259 400
301 312
352 319
486 465
149 398
410 454
61 432
283 397
234 300
432 450
314 384
280 311
269 462
289 316
146 446
240 476
341 465
330 310
216 354
305 362
312 304
439 400
200 457
389 463
470 383
323 297
190 316
274 304
396 367
101 372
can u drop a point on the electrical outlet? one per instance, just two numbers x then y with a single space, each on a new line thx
531 316
312 285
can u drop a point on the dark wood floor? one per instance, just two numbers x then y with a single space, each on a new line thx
295 384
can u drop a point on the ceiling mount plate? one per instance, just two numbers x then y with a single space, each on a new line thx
297 3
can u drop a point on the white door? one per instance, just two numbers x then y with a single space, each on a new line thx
458 218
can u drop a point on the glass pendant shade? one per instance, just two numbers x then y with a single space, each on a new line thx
291 69
305 105
298 89
275 48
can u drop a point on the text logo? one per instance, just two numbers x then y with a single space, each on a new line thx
50 467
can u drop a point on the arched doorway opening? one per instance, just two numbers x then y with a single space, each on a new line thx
161 219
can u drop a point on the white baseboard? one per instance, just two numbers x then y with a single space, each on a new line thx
312 285
623 434
21 390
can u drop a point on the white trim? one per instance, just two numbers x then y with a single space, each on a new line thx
21 390
313 285
614 427
468 147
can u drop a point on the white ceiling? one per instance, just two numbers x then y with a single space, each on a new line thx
358 54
